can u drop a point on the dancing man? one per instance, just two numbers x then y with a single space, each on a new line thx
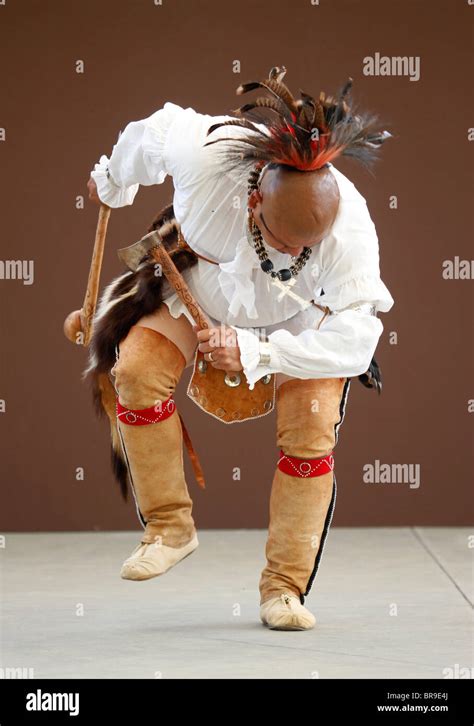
279 250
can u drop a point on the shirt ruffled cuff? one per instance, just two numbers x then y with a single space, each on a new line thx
109 193
249 344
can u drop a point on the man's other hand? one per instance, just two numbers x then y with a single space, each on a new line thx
92 187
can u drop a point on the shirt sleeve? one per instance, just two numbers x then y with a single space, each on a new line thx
138 157
343 346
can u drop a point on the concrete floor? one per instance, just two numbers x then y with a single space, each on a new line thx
66 612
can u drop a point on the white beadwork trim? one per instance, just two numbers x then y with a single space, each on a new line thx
125 414
329 461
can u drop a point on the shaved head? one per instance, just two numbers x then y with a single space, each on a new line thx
295 209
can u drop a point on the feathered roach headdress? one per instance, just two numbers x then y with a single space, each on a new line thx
304 134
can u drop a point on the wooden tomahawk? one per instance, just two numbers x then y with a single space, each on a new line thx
152 245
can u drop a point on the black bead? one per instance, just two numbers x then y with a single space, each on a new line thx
266 265
284 275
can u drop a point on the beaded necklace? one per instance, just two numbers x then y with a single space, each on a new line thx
256 239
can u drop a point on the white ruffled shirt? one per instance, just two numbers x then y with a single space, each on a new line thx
211 207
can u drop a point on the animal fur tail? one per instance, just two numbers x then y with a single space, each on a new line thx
127 299
104 396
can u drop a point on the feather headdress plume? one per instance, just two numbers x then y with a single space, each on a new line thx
301 133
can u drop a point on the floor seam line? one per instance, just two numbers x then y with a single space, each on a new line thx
420 539
324 652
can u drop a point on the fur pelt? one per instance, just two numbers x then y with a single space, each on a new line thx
128 298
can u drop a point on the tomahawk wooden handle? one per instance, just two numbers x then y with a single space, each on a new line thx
175 279
92 291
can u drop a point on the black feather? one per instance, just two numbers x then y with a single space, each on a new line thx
372 378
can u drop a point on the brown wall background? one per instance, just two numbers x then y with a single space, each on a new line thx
137 56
